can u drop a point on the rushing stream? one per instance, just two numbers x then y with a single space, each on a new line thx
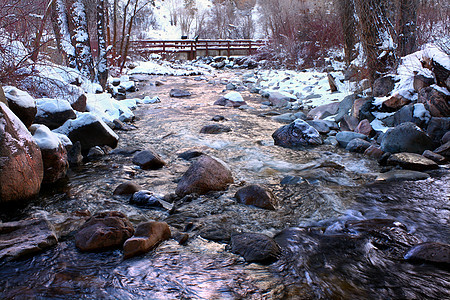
329 250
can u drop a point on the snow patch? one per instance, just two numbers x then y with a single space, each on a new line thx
48 105
45 138
21 98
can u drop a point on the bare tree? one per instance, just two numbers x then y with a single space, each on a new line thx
346 10
60 21
102 69
406 26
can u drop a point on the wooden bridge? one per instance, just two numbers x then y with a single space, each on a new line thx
190 49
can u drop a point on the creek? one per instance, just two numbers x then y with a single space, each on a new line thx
323 258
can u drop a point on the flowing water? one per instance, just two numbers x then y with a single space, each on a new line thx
330 250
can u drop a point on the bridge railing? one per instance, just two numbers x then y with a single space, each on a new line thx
193 47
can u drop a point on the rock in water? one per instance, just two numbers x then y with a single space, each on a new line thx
215 129
400 175
412 161
145 198
255 247
257 196
25 237
232 99
297 134
127 188
431 252
21 166
344 137
21 104
90 131
146 237
406 137
54 155
178 93
104 231
206 174
148 160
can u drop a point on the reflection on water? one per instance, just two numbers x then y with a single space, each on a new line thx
325 187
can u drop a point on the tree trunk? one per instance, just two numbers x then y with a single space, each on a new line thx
406 26
346 10
80 39
376 36
102 70
37 40
59 17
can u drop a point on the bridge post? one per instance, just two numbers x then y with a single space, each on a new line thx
228 49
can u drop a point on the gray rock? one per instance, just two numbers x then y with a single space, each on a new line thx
178 93
383 86
358 145
430 252
320 125
24 238
365 111
286 118
412 161
443 150
437 127
323 111
437 158
255 247
145 198
331 140
345 106
344 137
401 175
280 100
406 137
297 134
215 129
348 123
403 115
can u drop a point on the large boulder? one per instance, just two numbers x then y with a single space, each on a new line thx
255 247
146 237
148 160
103 231
24 238
21 104
257 196
54 154
53 112
90 131
383 86
406 137
21 167
206 174
297 134
436 100
232 99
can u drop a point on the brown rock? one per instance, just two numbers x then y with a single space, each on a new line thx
437 158
383 86
348 123
365 128
146 236
205 174
332 82
26 237
127 188
395 103
80 104
421 82
257 196
357 105
374 152
21 104
56 164
148 160
104 231
436 102
411 161
21 167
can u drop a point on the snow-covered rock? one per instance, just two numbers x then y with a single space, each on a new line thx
109 109
90 130
297 134
21 103
232 99
21 167
54 154
53 112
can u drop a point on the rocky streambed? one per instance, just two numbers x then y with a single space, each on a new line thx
312 222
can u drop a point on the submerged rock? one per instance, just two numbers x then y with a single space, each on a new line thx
104 231
26 237
430 252
146 237
255 247
400 175
297 134
127 188
215 129
178 93
257 196
206 174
